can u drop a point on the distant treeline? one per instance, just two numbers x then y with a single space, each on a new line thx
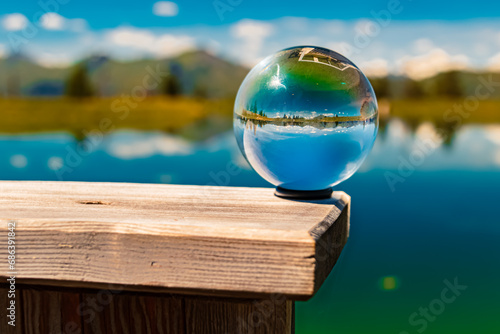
79 85
194 74
450 84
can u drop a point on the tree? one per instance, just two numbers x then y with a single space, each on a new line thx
413 89
78 84
448 84
171 86
381 87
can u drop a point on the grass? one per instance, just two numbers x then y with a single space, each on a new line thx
439 111
172 115
196 117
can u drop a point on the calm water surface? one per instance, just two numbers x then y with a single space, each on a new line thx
421 214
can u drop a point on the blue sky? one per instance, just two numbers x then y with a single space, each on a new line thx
110 13
420 38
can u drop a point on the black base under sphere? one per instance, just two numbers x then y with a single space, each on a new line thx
303 194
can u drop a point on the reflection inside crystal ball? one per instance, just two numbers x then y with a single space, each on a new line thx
305 118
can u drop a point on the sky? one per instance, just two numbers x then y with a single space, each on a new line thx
417 38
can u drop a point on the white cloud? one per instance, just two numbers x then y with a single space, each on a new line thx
426 134
14 22
18 161
494 63
423 45
132 37
54 21
493 134
55 163
171 45
140 145
431 63
377 67
252 35
398 132
165 45
212 46
165 8
251 29
53 60
471 149
344 48
420 48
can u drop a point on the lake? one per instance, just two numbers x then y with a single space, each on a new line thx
423 253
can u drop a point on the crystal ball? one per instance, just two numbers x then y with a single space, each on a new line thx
305 118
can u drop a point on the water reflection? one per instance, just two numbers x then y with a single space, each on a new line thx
321 122
305 154
474 147
148 156
441 223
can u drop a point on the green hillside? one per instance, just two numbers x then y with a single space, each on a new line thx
196 71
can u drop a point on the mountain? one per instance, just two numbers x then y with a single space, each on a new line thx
19 76
197 72
202 74
451 84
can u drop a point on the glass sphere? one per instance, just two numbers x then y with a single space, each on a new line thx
305 118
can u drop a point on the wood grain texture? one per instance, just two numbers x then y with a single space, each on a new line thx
217 241
50 310
273 316
5 328
41 314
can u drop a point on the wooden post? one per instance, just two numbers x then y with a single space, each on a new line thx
137 258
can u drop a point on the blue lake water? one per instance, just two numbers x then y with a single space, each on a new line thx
424 215
306 157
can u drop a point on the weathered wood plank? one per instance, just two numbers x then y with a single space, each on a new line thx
42 312
217 241
330 240
271 316
19 316
71 322
51 310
